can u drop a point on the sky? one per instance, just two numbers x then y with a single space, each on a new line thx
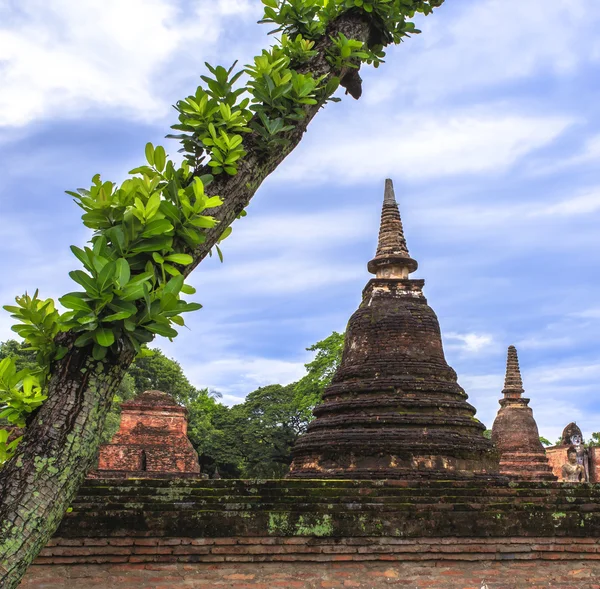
488 123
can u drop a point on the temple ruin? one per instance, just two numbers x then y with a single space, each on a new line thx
422 503
152 440
515 432
394 409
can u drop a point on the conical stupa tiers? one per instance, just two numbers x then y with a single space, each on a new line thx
515 432
513 383
394 409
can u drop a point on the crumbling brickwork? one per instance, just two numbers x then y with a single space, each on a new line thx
337 574
152 439
394 409
154 534
515 432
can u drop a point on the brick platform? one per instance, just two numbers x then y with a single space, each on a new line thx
342 575
187 533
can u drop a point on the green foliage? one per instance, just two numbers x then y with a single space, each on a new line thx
319 372
132 279
21 392
545 441
212 119
38 326
346 52
125 392
595 439
7 449
159 373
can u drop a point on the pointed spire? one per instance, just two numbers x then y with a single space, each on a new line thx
513 383
392 259
389 198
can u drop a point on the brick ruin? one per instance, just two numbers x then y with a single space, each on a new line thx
515 432
152 439
394 408
435 514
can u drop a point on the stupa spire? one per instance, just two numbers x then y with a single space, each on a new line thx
513 383
515 432
392 259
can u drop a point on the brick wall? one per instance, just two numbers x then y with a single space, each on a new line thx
194 533
62 551
334 575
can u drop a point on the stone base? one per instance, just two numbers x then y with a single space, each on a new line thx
525 466
340 574
301 534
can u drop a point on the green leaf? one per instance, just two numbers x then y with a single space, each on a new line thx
161 329
99 352
184 307
86 281
105 278
204 222
104 337
75 301
82 257
171 270
123 272
157 227
152 205
84 339
123 310
150 153
160 158
183 259
158 258
178 320
187 289
154 244
174 285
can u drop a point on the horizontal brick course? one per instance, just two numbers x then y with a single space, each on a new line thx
259 549
342 574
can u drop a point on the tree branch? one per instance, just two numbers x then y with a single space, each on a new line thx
61 444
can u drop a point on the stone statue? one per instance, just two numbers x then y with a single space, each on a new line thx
572 471
573 437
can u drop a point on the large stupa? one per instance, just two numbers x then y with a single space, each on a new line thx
394 409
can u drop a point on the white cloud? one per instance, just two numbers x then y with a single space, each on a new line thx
275 276
593 313
250 373
65 57
581 204
468 342
588 154
421 146
314 230
540 342
488 43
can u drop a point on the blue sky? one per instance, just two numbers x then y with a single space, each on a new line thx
488 122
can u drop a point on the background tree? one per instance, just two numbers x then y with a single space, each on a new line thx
151 231
320 371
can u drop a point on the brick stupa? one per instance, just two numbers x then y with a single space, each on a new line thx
515 432
151 441
394 409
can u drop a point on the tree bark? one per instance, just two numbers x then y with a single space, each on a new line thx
60 445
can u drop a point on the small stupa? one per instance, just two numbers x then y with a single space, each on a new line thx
151 441
515 432
394 409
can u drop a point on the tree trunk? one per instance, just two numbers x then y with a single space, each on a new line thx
61 444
